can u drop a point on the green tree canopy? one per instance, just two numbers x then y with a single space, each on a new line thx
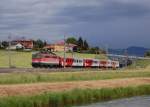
5 44
147 54
86 45
80 42
71 40
39 44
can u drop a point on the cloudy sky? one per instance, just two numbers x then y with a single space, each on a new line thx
117 23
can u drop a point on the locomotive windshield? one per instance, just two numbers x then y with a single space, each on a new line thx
36 55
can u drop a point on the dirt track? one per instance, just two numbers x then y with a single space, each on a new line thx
29 89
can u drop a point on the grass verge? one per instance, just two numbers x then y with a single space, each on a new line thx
75 97
35 77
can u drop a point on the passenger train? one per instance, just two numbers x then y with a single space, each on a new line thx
50 60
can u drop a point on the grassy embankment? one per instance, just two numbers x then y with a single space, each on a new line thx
23 59
35 77
74 97
80 55
18 59
140 64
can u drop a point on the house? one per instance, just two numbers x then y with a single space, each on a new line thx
59 47
27 44
15 46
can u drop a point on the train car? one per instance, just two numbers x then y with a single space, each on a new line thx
109 64
91 63
68 62
103 63
117 64
72 62
77 62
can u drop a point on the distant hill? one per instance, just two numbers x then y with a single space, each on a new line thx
134 50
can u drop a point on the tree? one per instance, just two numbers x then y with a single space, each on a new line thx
147 54
5 44
39 44
45 43
71 40
1 45
95 50
80 44
86 45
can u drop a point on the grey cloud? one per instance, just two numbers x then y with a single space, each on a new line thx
54 18
105 11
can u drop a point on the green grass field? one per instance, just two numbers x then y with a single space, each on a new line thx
18 59
36 77
140 64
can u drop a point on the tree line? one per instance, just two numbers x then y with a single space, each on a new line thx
83 46
37 44
147 54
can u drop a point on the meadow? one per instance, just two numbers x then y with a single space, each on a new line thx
18 59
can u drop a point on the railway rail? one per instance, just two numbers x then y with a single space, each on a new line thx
11 70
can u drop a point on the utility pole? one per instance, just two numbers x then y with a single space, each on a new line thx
9 54
106 49
126 59
64 51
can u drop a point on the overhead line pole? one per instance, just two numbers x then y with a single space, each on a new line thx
64 51
9 54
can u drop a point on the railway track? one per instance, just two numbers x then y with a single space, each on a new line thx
10 70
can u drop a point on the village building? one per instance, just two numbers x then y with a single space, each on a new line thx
15 46
21 44
27 44
59 47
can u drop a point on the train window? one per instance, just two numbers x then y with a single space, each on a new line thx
36 56
96 62
75 60
47 56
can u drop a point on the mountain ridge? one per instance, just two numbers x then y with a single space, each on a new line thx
132 50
